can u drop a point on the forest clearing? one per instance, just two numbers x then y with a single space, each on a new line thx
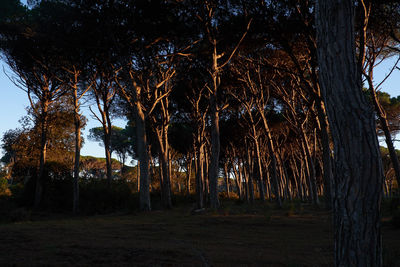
235 235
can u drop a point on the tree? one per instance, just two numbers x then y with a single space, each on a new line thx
35 71
358 168
214 17
21 145
119 141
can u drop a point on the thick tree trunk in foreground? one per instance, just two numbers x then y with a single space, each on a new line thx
357 183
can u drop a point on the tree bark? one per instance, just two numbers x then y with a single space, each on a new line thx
43 150
188 172
78 141
358 180
226 174
215 147
259 169
249 174
107 145
199 178
273 167
144 191
326 154
312 183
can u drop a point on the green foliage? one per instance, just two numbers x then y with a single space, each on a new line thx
121 141
4 190
93 167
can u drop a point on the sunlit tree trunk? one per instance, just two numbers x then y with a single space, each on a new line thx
188 172
312 183
326 153
273 166
226 174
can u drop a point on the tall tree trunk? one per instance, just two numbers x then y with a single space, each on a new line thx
237 181
188 172
310 167
43 150
273 167
144 191
226 174
249 172
215 147
166 182
358 179
138 175
206 179
326 154
199 177
78 140
107 145
161 176
259 169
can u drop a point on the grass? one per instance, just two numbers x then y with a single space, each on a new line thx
235 235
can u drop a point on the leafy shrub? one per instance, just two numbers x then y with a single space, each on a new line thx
4 190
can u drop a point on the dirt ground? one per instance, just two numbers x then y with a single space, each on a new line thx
230 237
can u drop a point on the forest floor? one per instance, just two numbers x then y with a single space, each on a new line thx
233 236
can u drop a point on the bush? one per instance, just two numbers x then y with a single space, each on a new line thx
97 197
4 190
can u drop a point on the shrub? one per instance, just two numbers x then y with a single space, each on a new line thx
4 190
